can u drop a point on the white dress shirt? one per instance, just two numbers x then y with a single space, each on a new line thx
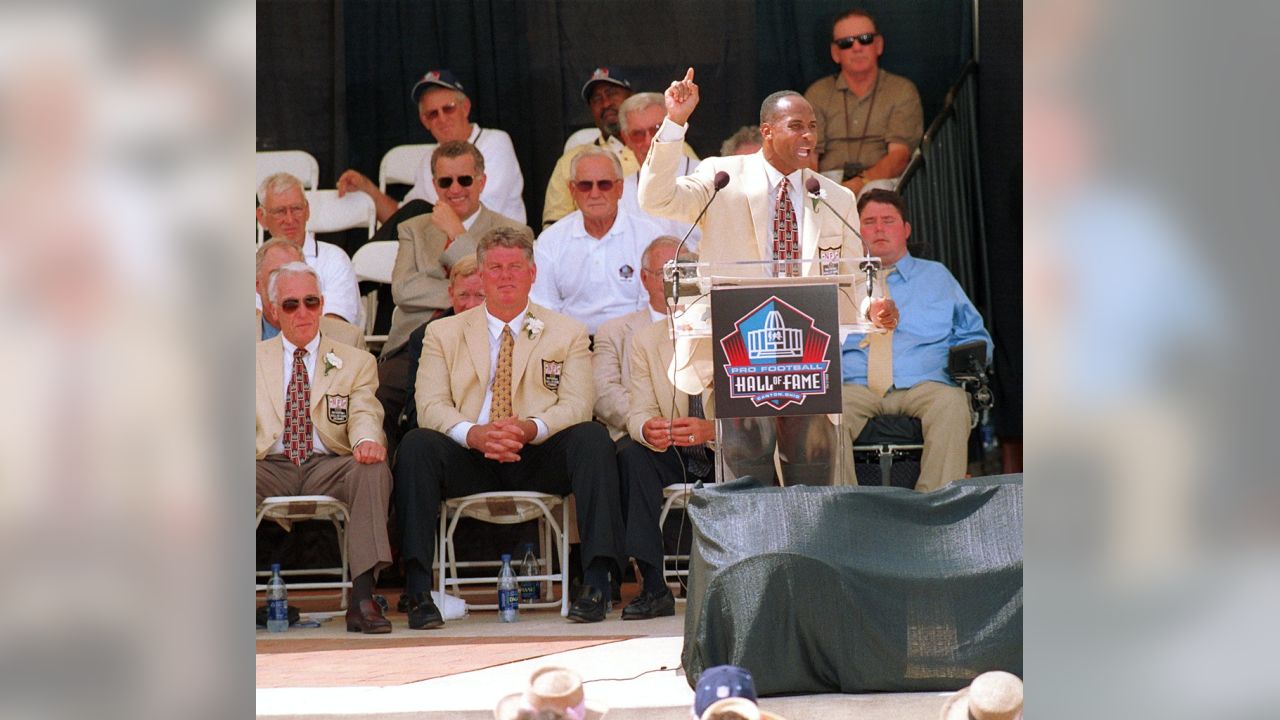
459 432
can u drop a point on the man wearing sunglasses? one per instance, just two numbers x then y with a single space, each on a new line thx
429 246
319 430
869 120
604 93
270 256
642 115
445 111
283 211
589 261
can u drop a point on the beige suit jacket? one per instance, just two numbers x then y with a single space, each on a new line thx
550 375
652 352
738 224
420 279
610 363
338 329
352 385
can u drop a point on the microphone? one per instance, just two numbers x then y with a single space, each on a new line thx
815 191
673 286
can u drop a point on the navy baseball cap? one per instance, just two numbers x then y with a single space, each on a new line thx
719 682
439 78
607 75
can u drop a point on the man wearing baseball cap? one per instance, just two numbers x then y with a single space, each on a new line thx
727 691
445 110
604 92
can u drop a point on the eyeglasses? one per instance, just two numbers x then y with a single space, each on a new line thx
845 43
446 181
585 185
280 212
639 134
291 305
447 109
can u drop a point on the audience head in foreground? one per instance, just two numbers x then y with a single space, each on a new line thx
995 695
553 693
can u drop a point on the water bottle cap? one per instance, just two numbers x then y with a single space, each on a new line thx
506 557
275 567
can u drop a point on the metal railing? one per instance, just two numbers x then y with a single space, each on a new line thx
943 193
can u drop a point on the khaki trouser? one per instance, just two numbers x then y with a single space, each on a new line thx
944 414
365 488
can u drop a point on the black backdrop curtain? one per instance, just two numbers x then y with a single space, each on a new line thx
334 75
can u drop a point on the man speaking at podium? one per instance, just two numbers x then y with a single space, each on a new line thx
765 214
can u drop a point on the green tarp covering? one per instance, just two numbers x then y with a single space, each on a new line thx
856 589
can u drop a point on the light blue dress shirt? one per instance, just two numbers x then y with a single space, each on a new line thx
934 314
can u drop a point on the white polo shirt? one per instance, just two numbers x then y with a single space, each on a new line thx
592 280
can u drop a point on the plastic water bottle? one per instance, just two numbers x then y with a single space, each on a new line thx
530 591
508 592
277 602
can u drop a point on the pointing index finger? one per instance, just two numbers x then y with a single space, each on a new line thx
688 76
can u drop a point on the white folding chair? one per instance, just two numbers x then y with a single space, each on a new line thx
374 262
298 163
401 163
507 508
330 213
585 136
287 509
676 497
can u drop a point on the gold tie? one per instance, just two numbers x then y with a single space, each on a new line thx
501 408
880 352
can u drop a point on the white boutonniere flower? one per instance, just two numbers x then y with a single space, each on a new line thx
533 326
816 197
331 362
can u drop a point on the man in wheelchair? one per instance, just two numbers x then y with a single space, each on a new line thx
905 371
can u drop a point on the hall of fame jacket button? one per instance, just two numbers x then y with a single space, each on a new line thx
337 408
551 371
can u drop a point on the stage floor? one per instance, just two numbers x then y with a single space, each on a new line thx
461 670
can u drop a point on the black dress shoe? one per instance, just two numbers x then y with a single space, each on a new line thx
588 608
646 606
366 617
423 613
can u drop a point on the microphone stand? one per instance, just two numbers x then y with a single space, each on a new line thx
814 189
673 293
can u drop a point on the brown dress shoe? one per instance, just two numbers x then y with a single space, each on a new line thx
366 617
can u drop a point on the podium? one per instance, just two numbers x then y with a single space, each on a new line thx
769 345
